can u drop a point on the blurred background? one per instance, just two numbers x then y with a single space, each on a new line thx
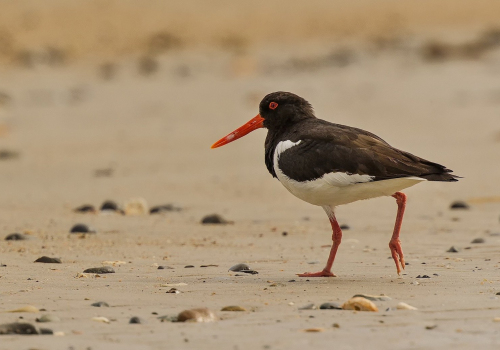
118 99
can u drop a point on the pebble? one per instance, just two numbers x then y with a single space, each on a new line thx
330 306
215 219
48 260
313 262
18 328
308 307
48 318
109 205
233 308
423 276
173 291
136 206
452 250
86 208
163 208
314 330
345 227
16 237
336 325
210 265
188 266
496 319
46 331
161 267
100 319
284 233
82 228
478 240
359 304
100 304
136 320
100 270
196 315
405 306
251 272
239 267
27 308
430 327
373 297
459 205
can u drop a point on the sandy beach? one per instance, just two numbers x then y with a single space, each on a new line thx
82 122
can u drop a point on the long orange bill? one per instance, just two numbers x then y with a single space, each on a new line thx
251 125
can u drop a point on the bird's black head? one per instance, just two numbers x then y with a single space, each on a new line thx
283 108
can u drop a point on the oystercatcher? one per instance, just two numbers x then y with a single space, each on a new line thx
328 164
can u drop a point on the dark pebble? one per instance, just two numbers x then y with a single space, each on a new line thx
252 272
109 205
173 291
8 154
423 276
16 237
330 306
18 328
46 331
406 263
478 240
82 228
86 208
100 304
163 208
459 205
435 274
239 267
344 227
188 266
136 320
498 293
100 270
161 267
48 260
452 250
214 219
292 281
284 233
210 265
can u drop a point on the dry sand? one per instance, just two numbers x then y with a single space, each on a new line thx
84 139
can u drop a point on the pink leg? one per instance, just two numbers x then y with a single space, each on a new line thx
395 243
336 238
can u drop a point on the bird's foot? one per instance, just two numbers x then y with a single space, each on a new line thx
397 254
323 273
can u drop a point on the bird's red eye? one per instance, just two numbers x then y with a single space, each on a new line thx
273 105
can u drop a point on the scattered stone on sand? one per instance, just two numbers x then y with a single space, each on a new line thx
478 240
100 270
423 276
158 209
196 315
215 219
100 319
136 206
100 304
173 291
345 227
209 265
6 154
359 304
284 233
109 205
430 327
251 272
233 308
330 306
45 331
27 308
239 267
335 325
405 306
16 237
308 307
85 208
48 260
82 228
314 330
162 267
459 205
18 328
314 262
48 318
188 266
136 320
173 284
373 297
452 250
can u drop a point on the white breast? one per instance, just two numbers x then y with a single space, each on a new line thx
338 188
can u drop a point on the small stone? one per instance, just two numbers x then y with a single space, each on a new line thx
82 228
48 318
313 262
330 306
196 315
459 205
100 319
109 205
496 319
423 276
188 266
162 267
136 320
359 304
100 304
336 325
345 227
452 250
308 307
16 237
284 233
373 297
478 240
233 308
163 209
215 219
100 270
405 306
209 265
86 208
430 327
27 308
251 272
239 267
18 328
48 260
173 291
314 330
136 206
46 331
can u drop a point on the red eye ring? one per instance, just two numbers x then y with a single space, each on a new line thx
273 105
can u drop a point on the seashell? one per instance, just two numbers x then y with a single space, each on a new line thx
100 319
359 304
136 206
27 308
405 306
